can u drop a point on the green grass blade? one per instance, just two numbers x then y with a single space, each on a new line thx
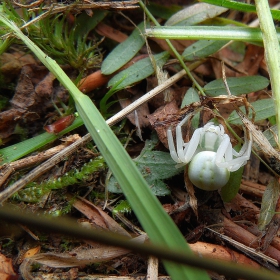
154 219
28 146
207 32
239 6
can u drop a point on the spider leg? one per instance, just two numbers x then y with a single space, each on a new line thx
191 148
236 163
171 146
247 146
224 152
186 151
179 138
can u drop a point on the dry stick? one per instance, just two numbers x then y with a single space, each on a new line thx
41 169
7 169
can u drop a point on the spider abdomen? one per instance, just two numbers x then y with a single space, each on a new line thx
205 174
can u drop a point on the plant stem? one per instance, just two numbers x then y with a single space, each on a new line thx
272 52
208 32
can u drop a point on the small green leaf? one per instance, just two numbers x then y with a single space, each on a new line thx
138 71
202 48
229 191
85 23
264 109
269 201
237 86
190 97
195 14
123 207
120 55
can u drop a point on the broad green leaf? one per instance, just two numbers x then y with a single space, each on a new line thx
269 201
138 71
155 166
158 187
195 14
229 191
202 48
264 109
124 51
237 86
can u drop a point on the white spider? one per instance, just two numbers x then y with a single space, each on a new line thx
210 153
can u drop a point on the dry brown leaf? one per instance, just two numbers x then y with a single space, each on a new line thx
31 252
6 269
110 32
142 111
162 113
98 218
82 255
251 63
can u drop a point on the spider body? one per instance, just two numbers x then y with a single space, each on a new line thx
209 153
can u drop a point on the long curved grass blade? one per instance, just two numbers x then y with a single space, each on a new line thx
154 219
239 6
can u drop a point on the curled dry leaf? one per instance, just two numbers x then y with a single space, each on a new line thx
31 100
79 256
159 120
110 32
98 218
6 269
11 64
142 111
